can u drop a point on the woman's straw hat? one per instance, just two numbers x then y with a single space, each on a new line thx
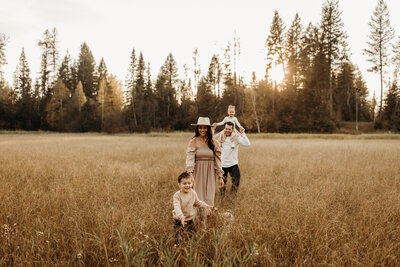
202 121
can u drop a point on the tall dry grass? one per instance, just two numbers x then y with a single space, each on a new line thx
71 199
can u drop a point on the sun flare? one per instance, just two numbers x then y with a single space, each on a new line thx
276 74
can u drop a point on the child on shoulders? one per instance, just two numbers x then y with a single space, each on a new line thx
231 118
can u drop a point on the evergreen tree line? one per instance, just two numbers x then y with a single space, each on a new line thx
321 87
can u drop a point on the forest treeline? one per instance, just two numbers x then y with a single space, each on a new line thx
321 87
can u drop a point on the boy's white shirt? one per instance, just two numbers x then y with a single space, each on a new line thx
229 155
184 205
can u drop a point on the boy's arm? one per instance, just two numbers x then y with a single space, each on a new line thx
177 208
199 203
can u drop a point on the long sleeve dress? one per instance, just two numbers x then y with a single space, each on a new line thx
234 120
204 164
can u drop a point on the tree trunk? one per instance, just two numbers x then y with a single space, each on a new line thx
253 101
61 110
134 114
330 92
380 106
348 101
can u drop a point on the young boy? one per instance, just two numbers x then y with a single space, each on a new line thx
185 201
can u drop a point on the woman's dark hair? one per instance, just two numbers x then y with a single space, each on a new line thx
209 136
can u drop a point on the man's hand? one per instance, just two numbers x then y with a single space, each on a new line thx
242 130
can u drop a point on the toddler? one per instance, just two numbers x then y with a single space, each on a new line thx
231 118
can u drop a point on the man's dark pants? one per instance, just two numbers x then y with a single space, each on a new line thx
235 175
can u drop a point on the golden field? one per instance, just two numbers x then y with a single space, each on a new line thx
90 199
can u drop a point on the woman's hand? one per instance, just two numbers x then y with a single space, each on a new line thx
221 182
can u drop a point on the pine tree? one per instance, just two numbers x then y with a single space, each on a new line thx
65 72
253 97
130 96
236 56
333 36
276 43
311 107
196 69
308 54
205 99
78 98
391 110
23 93
345 94
53 55
3 61
86 71
44 64
139 90
113 105
22 79
6 106
101 98
396 56
380 36
186 110
170 72
212 75
102 71
373 108
149 103
218 73
293 49
74 74
362 93
55 108
74 106
3 91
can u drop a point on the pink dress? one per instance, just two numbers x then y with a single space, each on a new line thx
205 165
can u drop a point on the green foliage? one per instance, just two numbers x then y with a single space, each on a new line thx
275 42
86 71
322 89
293 49
205 100
56 109
391 110
380 37
3 61
165 90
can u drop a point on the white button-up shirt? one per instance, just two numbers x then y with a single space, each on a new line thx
229 156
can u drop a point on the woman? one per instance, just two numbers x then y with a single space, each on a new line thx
203 161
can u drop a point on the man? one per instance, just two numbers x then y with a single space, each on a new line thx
229 157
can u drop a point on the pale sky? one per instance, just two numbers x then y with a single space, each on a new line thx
159 27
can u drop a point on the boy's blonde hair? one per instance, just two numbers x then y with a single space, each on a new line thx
231 107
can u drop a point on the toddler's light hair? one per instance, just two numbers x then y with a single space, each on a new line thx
231 107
